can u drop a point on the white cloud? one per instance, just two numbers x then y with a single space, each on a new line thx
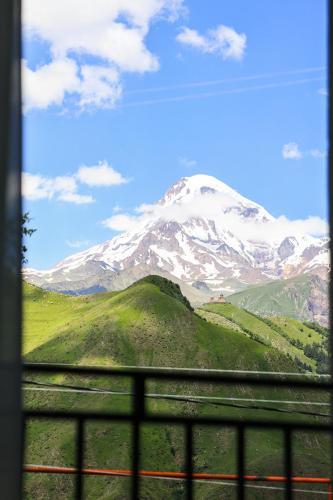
37 187
48 84
187 162
313 225
318 153
112 33
121 222
65 188
291 151
78 199
323 92
78 243
91 85
192 37
223 40
100 87
100 175
33 187
209 206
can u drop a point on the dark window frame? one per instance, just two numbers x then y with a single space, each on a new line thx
10 250
11 412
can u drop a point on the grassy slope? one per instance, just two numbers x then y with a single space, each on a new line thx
289 297
259 328
143 326
47 314
273 298
218 319
139 326
297 330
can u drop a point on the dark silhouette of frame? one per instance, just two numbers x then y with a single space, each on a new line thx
11 412
10 250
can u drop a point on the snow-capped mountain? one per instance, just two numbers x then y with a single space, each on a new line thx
202 233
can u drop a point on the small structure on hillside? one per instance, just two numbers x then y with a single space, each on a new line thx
220 299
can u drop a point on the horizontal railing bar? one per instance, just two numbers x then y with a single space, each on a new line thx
193 370
49 469
248 485
157 395
166 374
174 419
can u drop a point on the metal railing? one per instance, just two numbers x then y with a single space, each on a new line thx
139 415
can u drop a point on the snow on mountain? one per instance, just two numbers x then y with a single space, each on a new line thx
201 231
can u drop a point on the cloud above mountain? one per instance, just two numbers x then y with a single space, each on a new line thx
91 44
65 188
218 207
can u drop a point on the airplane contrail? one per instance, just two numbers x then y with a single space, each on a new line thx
208 83
202 95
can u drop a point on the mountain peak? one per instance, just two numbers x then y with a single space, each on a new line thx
201 230
201 180
187 188
198 181
219 198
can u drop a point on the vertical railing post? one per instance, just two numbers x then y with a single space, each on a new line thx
138 413
79 458
288 463
240 462
189 461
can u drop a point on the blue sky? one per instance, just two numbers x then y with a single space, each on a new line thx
233 89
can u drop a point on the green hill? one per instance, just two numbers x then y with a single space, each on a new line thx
304 297
149 324
290 336
141 325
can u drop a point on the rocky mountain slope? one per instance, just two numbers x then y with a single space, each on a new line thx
304 297
203 234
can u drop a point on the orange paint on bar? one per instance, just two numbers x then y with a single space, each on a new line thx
180 475
47 469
